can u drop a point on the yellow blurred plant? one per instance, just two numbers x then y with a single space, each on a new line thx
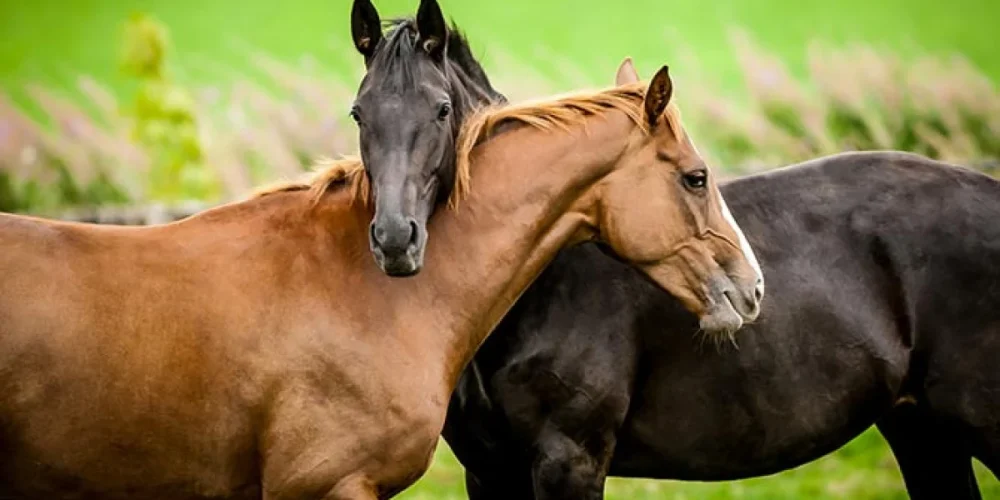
164 118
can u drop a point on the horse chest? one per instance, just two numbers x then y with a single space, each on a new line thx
345 421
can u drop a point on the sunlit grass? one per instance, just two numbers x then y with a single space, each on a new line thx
529 48
862 470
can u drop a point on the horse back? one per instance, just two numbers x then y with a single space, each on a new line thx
113 363
943 242
930 232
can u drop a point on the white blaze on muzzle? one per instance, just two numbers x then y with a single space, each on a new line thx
744 244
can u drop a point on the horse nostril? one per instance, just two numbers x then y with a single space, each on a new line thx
375 234
758 291
413 233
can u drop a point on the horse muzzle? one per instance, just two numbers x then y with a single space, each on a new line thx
398 246
732 304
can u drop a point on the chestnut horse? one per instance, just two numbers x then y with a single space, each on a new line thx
253 350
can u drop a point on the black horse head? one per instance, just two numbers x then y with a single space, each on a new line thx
421 83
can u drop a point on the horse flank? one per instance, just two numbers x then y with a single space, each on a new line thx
349 172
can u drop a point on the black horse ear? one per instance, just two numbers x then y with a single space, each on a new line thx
658 95
366 27
433 33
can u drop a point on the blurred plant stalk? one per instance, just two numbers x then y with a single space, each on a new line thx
214 144
164 121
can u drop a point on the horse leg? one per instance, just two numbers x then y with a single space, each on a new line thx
985 442
930 455
989 452
501 487
474 488
356 488
992 463
353 489
566 469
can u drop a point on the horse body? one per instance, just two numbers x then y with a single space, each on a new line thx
253 350
882 307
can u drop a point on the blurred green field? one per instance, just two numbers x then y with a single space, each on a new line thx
52 41
862 470
571 44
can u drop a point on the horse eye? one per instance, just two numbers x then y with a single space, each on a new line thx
696 180
444 110
355 116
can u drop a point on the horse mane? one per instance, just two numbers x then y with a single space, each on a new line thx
349 172
560 113
460 53
328 174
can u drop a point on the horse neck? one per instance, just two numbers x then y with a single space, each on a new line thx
532 195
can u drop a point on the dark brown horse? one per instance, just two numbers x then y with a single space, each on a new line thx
254 351
421 84
883 308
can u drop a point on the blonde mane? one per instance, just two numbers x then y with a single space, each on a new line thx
349 172
560 113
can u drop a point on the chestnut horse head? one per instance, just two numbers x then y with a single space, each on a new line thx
659 208
718 276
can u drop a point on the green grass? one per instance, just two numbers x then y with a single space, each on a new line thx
862 470
51 41
573 43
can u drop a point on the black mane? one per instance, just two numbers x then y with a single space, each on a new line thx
399 46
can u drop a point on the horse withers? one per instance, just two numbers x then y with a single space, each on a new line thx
421 83
252 350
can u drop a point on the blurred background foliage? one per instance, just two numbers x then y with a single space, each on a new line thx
208 98
164 122
124 102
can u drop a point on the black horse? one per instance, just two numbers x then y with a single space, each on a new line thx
421 83
883 274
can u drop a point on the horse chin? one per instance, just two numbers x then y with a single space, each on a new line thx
397 262
721 322
403 266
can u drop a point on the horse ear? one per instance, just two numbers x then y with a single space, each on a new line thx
366 27
658 95
433 33
626 73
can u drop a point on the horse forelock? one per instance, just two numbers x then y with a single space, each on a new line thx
396 56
